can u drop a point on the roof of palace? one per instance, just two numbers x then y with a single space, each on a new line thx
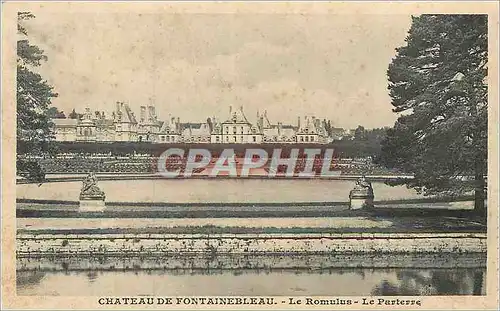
127 114
196 129
275 131
104 122
237 116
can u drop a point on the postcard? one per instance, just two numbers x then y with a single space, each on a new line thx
260 155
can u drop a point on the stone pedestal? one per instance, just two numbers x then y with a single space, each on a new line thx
361 198
92 203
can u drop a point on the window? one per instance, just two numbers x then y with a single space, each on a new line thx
242 130
301 138
254 139
163 138
312 138
227 139
234 138
241 137
227 129
217 138
234 130
307 138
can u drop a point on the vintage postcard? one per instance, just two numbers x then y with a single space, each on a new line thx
264 155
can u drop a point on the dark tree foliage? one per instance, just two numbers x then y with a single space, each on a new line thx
54 113
33 100
74 115
437 81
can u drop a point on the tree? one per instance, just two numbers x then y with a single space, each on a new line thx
33 100
437 81
360 133
54 113
73 114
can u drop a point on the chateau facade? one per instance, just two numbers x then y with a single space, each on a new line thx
123 126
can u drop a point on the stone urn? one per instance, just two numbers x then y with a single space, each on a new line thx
92 199
362 195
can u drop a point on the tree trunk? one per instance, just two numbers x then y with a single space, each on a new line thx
478 283
479 193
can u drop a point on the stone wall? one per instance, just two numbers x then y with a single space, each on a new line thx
155 244
206 264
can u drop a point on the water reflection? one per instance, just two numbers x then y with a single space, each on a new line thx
272 281
29 278
434 282
92 276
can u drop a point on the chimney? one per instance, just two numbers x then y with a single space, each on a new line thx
117 106
230 110
143 114
151 113
298 121
210 124
178 125
280 126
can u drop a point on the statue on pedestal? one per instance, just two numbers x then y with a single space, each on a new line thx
363 185
90 190
362 195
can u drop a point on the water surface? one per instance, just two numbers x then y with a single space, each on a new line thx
289 282
220 190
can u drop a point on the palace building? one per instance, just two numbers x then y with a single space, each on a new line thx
123 126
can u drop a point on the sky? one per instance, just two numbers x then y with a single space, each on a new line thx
195 66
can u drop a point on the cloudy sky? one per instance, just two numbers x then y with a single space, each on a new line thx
197 65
